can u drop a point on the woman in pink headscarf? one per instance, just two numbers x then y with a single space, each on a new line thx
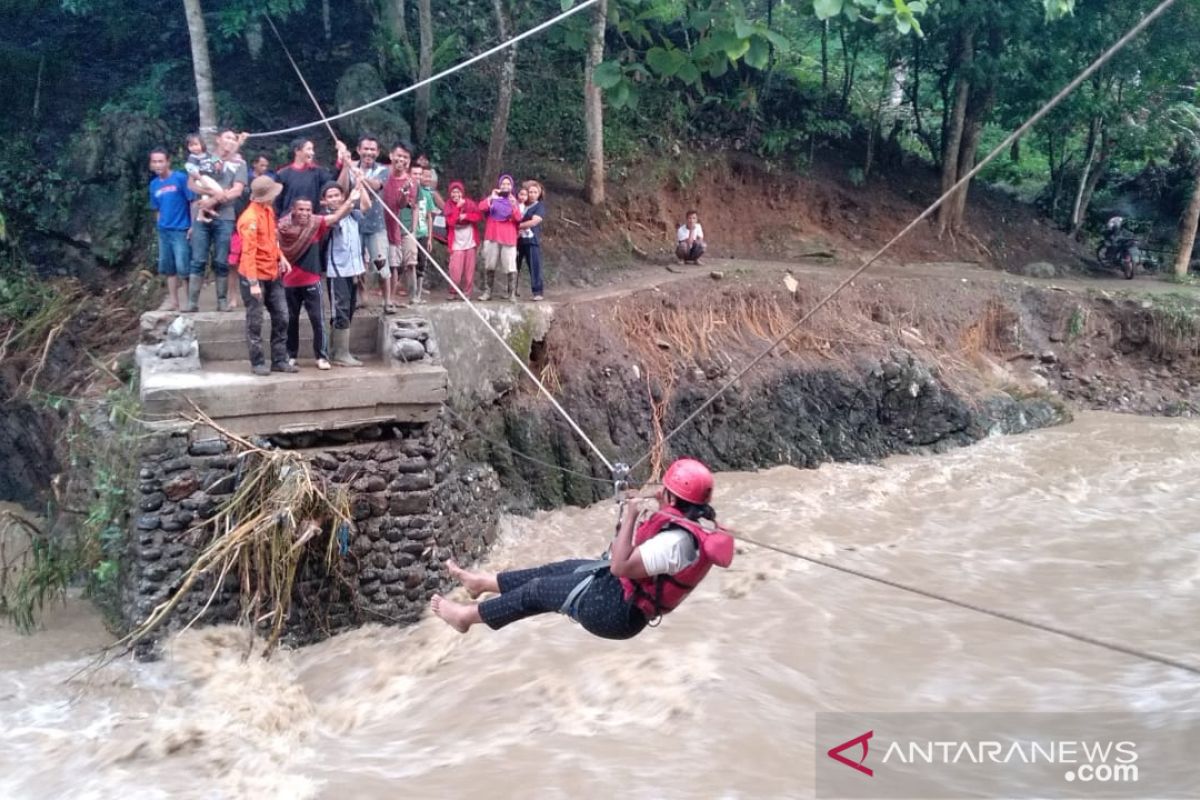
502 220
462 237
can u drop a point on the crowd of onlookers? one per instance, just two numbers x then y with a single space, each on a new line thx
303 231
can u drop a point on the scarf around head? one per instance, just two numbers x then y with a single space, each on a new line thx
294 238
502 207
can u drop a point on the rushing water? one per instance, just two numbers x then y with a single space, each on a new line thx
1092 526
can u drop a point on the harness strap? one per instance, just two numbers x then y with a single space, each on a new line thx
591 568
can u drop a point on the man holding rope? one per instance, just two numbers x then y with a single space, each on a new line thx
400 196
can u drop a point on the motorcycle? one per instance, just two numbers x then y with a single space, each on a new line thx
1119 250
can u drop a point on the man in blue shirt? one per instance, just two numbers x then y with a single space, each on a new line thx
170 199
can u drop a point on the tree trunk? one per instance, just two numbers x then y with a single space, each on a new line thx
326 20
1085 174
508 77
593 108
254 36
849 64
825 59
1187 225
972 127
393 12
953 134
424 69
1106 147
202 70
875 132
918 125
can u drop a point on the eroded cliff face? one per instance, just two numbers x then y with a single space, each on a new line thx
885 372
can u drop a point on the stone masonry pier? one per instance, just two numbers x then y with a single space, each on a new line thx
377 430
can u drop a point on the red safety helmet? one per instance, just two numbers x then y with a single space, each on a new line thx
689 480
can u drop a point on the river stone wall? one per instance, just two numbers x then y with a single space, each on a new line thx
414 504
794 415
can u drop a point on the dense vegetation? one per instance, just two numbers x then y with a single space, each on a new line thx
93 83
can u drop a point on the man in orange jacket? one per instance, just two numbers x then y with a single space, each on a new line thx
261 267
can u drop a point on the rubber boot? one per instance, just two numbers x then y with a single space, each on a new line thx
222 294
511 288
489 278
340 342
195 284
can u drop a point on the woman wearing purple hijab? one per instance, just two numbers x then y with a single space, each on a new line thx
502 219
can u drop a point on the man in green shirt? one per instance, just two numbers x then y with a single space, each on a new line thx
422 229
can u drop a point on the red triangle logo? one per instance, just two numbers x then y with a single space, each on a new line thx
836 753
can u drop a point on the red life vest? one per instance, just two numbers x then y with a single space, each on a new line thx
659 594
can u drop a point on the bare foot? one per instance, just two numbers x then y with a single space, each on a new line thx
456 615
476 583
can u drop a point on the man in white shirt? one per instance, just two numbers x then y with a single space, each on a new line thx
690 240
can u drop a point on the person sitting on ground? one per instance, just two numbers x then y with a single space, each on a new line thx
689 239
261 266
202 169
502 217
300 235
343 257
652 568
462 218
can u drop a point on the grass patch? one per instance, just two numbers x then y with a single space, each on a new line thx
1175 326
42 564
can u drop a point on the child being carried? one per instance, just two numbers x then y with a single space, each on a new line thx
203 167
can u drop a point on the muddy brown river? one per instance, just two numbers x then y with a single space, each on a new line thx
1094 526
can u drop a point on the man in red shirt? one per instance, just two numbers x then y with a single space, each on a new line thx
260 267
300 235
400 194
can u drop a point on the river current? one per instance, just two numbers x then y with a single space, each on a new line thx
1093 526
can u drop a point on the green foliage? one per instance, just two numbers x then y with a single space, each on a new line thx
29 190
1076 323
148 96
42 573
232 16
904 15
104 440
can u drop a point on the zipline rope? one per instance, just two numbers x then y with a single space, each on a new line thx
496 334
1000 148
1029 623
1083 638
431 79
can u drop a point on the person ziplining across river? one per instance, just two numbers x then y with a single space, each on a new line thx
652 568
